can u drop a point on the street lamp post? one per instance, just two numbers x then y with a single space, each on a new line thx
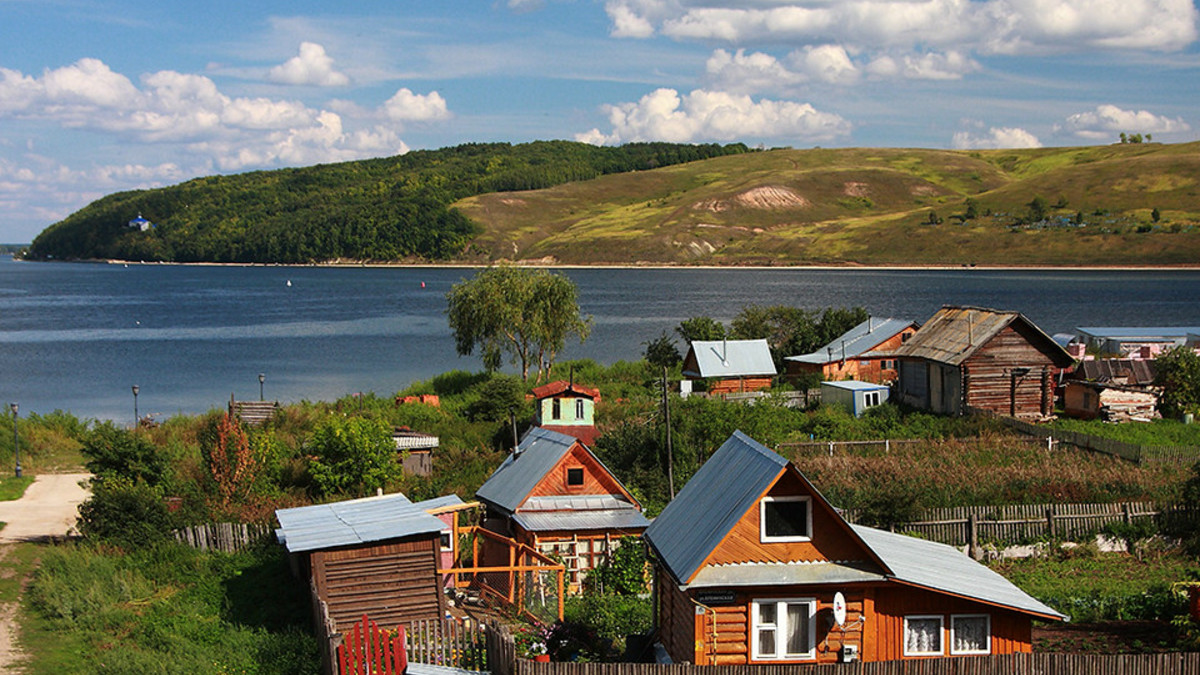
16 439
261 378
136 389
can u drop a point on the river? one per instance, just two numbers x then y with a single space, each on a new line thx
76 337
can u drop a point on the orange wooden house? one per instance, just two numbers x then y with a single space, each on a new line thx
862 353
731 366
555 496
751 564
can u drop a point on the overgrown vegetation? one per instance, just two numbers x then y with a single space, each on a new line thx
380 209
1156 432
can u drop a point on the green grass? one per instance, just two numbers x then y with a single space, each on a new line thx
1158 432
12 488
1090 586
861 205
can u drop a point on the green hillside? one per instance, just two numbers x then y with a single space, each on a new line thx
395 208
570 203
866 206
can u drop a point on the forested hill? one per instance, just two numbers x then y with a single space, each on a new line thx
381 209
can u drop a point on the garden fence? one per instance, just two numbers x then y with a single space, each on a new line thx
1014 664
223 537
1139 454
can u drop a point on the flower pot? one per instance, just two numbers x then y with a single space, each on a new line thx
542 658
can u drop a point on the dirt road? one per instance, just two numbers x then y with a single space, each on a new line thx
47 509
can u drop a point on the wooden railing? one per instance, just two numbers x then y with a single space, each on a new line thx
1014 664
516 583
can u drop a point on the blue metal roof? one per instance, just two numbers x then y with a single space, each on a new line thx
854 385
1138 332
357 521
515 478
731 358
716 497
575 521
857 341
944 568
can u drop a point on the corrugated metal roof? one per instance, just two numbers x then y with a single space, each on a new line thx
521 471
440 502
1134 371
773 574
716 497
357 521
945 568
1148 333
953 334
731 358
597 519
576 503
854 385
855 342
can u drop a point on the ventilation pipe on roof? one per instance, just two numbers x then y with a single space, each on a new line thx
870 324
725 351
970 329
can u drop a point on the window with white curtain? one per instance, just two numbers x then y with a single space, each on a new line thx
783 629
923 635
970 634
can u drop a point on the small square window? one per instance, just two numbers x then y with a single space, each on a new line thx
446 542
785 519
923 635
575 476
970 634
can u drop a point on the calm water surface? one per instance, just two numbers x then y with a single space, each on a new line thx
77 336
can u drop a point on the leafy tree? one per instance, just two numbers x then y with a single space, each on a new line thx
113 452
125 512
661 352
1038 208
1178 373
499 397
791 330
352 456
1155 215
231 462
700 328
623 572
526 314
972 211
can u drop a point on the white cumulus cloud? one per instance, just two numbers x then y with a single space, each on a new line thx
312 66
407 106
996 138
1107 121
703 115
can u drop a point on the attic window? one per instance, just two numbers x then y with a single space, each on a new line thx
785 519
575 476
579 409
556 409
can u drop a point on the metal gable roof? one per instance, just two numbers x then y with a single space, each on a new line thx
953 334
357 521
715 498
731 358
944 568
600 519
855 342
537 454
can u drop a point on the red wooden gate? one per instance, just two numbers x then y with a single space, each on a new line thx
368 649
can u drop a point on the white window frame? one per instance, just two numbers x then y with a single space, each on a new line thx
580 409
762 519
987 640
781 629
941 634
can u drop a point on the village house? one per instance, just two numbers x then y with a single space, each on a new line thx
553 495
378 556
970 358
862 353
854 396
1114 390
1134 342
753 566
417 450
568 408
730 366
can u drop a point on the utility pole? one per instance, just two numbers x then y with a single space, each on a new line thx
667 419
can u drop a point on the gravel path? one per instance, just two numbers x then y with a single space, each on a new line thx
47 509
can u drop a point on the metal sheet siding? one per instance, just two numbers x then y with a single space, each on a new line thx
945 568
538 452
716 497
358 521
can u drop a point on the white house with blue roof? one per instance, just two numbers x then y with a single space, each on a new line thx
754 566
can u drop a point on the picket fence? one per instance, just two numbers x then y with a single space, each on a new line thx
223 537
1014 664
1019 523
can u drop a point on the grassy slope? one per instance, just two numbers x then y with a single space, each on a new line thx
866 206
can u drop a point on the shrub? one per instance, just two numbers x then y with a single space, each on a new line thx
353 456
125 513
116 453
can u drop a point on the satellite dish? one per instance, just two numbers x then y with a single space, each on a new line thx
839 609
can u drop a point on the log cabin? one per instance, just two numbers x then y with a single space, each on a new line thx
971 358
555 496
751 564
862 353
377 556
730 366
568 408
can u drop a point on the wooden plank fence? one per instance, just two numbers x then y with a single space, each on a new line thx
223 537
1013 664
1172 454
1019 523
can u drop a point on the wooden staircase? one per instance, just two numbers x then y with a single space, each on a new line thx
253 413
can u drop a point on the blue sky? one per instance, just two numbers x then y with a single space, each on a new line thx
98 96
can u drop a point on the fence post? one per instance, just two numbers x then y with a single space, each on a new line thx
973 537
1050 521
831 448
1049 444
887 446
1126 514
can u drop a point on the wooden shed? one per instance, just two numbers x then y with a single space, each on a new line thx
377 556
730 366
862 353
555 496
753 566
971 358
